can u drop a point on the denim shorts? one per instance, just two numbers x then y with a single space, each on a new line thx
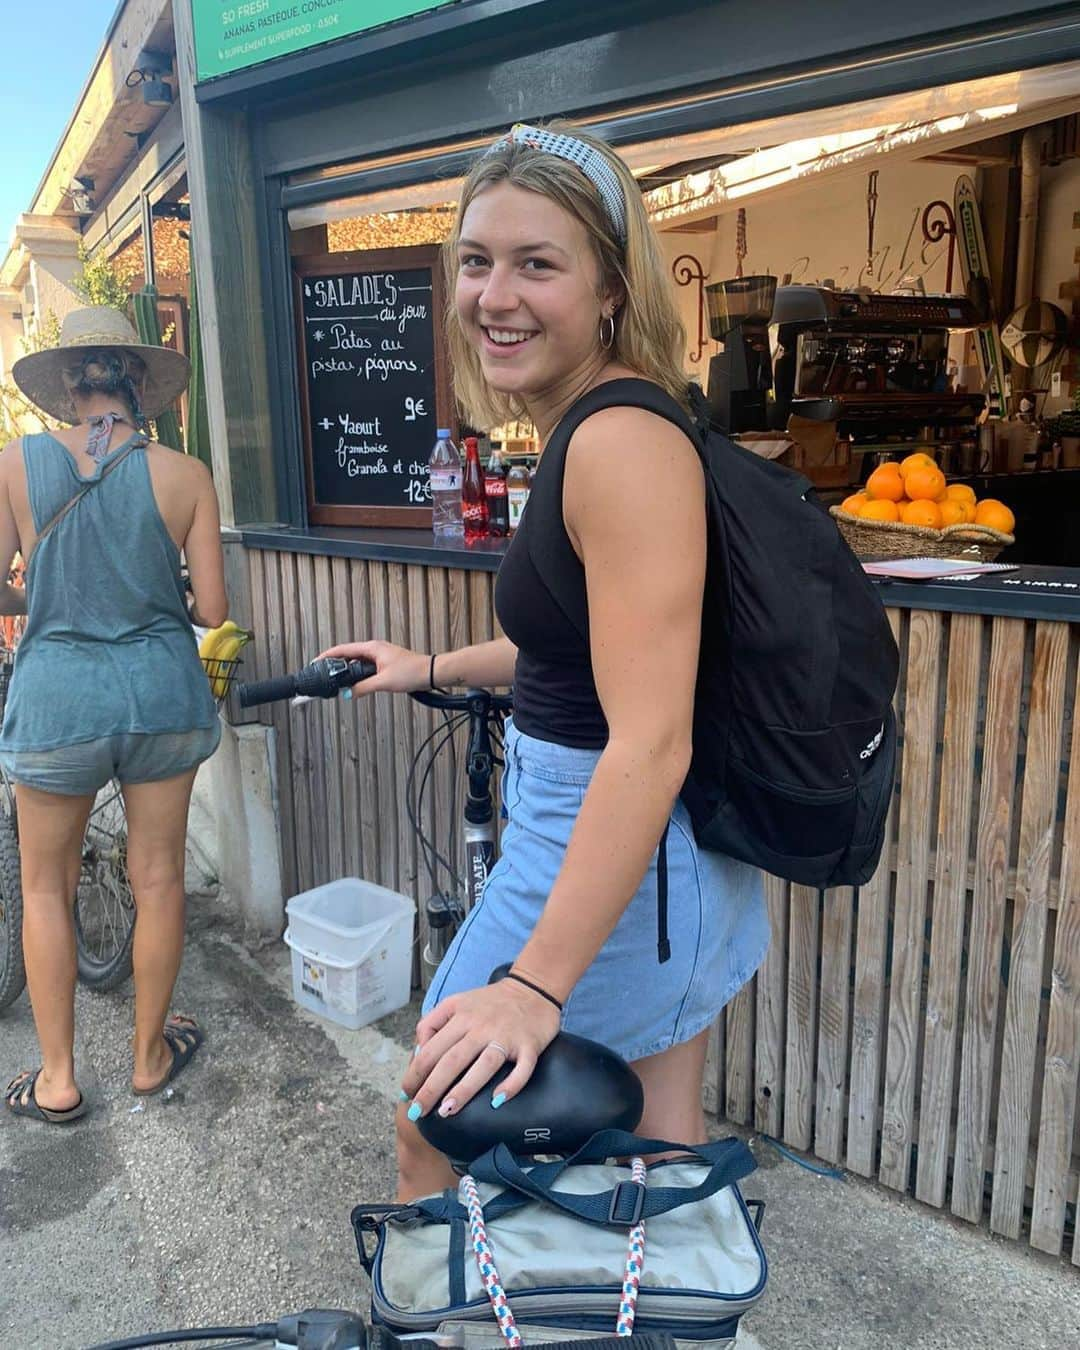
133 757
627 999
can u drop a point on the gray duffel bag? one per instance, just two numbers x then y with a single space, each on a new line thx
558 1232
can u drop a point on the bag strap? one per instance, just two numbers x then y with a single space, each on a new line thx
550 550
729 1160
137 444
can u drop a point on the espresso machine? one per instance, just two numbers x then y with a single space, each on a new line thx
740 376
876 365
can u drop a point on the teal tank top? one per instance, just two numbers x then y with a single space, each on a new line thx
108 647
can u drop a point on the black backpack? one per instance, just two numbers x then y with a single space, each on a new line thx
794 735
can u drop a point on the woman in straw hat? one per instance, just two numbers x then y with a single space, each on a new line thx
560 293
107 681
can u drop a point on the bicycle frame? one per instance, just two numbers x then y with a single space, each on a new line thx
444 912
7 666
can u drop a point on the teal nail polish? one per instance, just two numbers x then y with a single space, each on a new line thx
498 1100
415 1111
346 693
403 1096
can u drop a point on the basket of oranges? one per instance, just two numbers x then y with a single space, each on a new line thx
907 510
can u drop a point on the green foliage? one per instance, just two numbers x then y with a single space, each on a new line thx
100 283
15 409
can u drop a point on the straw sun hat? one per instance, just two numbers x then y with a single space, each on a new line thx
40 375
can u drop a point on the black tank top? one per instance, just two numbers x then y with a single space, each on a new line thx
555 696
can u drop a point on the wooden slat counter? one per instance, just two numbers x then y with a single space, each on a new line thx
925 1030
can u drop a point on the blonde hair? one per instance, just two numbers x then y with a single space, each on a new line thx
649 335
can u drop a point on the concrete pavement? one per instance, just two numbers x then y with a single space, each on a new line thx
228 1200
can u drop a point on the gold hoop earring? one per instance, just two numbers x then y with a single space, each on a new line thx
609 320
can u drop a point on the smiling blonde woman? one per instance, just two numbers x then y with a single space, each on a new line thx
559 289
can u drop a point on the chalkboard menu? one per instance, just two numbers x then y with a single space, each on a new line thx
373 382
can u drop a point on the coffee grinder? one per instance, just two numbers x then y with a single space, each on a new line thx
740 376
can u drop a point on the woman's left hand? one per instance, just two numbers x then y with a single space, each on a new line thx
469 1037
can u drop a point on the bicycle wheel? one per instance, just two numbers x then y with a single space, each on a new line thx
104 907
12 971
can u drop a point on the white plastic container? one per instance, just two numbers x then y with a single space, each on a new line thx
351 947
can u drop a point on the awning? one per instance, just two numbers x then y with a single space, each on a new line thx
788 152
754 158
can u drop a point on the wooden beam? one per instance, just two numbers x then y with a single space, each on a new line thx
107 106
159 165
224 250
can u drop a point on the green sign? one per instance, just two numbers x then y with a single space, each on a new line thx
233 34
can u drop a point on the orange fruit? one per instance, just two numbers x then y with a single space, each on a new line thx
924 482
919 460
879 509
969 511
885 483
852 504
952 512
922 512
995 514
960 492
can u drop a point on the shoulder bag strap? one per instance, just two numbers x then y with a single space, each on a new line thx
72 502
550 550
728 1161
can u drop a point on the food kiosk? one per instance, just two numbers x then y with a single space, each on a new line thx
926 1029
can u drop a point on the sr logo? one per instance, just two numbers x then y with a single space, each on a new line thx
537 1135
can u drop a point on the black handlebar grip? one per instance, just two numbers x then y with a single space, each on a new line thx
361 669
266 691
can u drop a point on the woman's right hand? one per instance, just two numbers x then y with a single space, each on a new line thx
397 669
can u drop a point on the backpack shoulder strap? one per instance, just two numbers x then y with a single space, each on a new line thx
551 552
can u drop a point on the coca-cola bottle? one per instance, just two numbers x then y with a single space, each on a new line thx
474 507
495 490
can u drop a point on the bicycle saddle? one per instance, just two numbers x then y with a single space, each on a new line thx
578 1087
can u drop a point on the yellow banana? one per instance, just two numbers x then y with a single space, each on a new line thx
213 639
219 647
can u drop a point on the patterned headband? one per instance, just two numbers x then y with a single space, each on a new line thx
591 163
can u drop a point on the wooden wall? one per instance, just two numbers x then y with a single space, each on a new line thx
343 765
924 1031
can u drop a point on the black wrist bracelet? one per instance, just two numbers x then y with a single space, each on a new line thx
513 975
431 672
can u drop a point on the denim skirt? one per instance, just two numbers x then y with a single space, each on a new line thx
627 999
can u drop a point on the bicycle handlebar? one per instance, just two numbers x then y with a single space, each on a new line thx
467 702
328 676
325 678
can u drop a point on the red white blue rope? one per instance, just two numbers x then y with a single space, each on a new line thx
485 1263
489 1274
635 1261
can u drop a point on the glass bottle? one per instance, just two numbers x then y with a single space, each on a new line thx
517 494
495 490
474 507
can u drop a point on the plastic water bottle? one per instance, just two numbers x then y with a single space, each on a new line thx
444 470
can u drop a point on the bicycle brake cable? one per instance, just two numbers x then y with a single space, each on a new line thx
414 797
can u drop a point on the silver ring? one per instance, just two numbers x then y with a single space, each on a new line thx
494 1045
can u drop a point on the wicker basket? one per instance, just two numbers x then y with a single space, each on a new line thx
894 539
